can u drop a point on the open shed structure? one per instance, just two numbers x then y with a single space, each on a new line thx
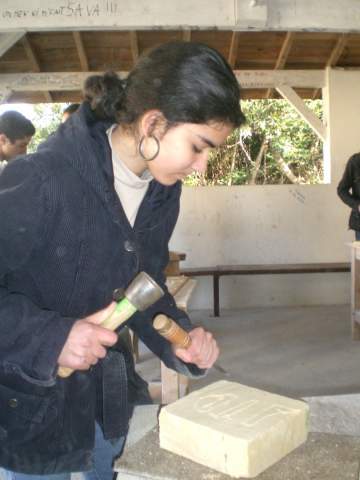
117 50
277 48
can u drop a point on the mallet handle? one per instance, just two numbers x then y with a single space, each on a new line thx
122 312
170 330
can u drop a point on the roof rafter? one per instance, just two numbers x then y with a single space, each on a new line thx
30 53
234 44
134 45
283 56
335 55
81 51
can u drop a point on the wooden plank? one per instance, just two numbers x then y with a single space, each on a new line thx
233 49
65 81
261 269
174 283
334 56
184 293
35 65
134 46
310 118
283 55
274 78
169 385
81 51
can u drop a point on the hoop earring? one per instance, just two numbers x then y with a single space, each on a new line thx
141 147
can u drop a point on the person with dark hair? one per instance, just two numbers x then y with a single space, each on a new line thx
96 204
349 192
69 110
16 132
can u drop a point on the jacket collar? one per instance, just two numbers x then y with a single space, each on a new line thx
83 142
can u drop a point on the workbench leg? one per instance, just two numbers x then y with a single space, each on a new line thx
216 279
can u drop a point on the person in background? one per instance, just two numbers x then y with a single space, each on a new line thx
16 132
96 204
349 192
69 110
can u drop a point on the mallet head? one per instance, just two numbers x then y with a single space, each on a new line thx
143 291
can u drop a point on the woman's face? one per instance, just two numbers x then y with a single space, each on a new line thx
185 148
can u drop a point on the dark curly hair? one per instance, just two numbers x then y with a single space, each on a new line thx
188 82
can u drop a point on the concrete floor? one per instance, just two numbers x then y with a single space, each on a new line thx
293 351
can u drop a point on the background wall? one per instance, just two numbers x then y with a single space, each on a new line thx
277 223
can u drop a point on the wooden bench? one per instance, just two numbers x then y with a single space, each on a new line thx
221 270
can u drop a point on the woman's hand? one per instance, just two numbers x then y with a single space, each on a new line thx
203 351
87 340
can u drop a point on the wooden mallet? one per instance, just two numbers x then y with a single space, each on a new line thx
141 293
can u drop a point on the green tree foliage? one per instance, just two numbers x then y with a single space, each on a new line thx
46 118
275 146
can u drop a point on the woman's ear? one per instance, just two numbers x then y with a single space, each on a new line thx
154 123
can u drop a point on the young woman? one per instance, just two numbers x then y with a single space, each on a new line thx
94 206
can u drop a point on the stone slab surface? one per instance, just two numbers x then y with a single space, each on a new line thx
322 457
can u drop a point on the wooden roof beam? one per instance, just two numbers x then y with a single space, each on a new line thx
335 55
34 63
69 81
283 56
303 110
134 46
81 51
233 49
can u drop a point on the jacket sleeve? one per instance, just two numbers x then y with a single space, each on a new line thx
31 338
346 184
141 322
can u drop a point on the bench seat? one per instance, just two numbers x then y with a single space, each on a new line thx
221 270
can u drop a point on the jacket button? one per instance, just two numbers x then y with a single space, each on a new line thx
129 246
13 402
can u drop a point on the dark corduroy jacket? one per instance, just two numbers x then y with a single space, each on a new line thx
349 190
65 245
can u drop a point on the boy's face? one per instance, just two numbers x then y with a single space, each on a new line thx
10 150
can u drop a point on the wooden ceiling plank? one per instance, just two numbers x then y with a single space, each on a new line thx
283 56
334 57
134 45
233 49
81 51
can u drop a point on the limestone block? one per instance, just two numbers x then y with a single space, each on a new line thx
232 428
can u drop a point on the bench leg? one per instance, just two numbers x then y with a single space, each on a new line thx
216 279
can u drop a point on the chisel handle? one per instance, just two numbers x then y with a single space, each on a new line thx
170 330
